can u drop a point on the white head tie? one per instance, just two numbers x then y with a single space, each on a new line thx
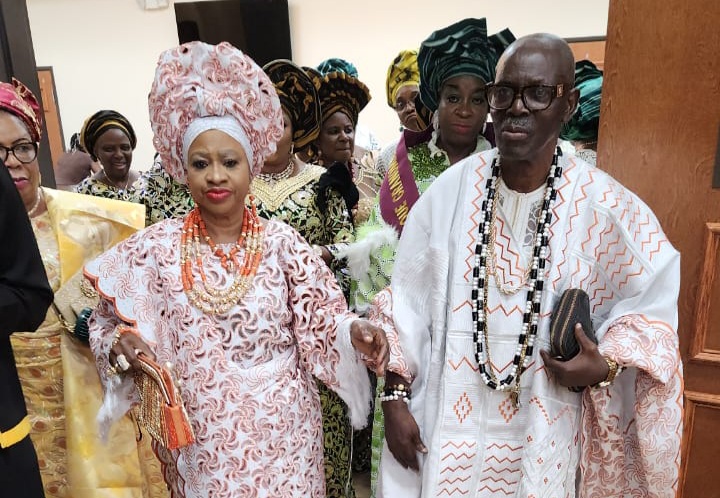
226 124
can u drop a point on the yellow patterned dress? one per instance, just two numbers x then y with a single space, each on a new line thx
57 372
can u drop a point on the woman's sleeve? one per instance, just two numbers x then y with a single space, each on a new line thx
24 290
636 423
120 394
322 327
337 220
339 227
403 309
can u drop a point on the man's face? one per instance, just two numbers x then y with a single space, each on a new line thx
520 133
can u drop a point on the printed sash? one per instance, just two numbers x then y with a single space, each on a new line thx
399 192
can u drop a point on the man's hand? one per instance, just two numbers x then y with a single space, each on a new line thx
371 341
586 369
402 434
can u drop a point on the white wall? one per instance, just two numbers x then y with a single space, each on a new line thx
103 52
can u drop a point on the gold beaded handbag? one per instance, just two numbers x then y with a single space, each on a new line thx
162 412
74 302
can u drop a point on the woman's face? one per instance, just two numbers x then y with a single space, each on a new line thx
284 146
337 138
218 174
13 132
462 110
405 106
114 152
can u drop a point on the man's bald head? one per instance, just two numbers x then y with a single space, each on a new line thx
556 50
535 68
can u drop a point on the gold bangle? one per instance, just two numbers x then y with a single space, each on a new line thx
612 373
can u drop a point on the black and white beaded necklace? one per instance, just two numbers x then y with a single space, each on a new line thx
485 244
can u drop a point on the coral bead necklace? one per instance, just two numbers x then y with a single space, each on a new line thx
204 295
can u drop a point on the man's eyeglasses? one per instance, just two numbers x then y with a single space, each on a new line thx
25 152
535 97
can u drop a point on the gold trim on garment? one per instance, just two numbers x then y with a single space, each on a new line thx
16 434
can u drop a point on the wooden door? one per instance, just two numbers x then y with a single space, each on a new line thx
51 113
660 120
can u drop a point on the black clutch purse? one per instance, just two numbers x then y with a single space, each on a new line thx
572 308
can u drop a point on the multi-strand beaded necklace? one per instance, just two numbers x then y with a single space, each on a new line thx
204 295
484 254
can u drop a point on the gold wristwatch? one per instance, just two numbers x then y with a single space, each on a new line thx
613 370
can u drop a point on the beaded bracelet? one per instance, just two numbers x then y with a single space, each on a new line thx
395 392
395 395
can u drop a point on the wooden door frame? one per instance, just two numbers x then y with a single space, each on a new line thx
579 41
57 109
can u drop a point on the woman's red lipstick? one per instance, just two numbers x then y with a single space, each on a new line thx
217 194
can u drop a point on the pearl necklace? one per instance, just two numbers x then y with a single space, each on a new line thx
34 209
273 178
536 277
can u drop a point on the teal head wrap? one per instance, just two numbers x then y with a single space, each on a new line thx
337 65
583 126
459 49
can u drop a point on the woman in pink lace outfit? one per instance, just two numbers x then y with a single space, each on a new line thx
241 307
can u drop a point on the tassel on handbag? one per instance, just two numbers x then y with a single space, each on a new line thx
161 410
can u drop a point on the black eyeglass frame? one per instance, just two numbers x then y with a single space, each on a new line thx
557 91
8 150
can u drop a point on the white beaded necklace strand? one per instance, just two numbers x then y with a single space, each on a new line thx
34 209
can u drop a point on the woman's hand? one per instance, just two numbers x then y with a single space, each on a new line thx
402 434
586 369
370 341
125 349
324 253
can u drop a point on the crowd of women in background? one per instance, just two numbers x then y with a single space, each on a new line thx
260 320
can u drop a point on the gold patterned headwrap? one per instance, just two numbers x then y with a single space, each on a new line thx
402 72
339 91
298 99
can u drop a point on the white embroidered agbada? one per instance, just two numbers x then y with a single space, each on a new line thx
605 240
247 375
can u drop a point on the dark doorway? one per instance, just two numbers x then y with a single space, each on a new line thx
17 60
260 28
